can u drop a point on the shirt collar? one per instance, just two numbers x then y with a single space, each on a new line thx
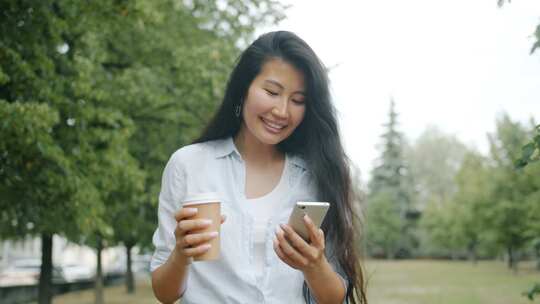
227 147
298 161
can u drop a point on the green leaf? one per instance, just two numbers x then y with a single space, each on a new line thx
536 140
531 293
527 151
520 163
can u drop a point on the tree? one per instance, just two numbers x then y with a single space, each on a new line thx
531 153
37 69
173 85
439 222
472 201
509 210
459 224
391 179
383 225
434 160
528 165
42 192
390 172
529 158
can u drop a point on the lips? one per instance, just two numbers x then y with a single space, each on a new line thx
274 127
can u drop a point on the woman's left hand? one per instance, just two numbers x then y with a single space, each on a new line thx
295 251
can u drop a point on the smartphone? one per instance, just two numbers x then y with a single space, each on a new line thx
316 212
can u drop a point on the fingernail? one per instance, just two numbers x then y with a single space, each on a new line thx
191 210
207 246
213 234
283 226
307 219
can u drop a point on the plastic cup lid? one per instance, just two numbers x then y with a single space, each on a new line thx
208 197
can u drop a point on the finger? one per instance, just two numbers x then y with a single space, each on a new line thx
318 240
194 239
298 242
190 225
314 233
191 252
223 218
282 255
184 213
288 250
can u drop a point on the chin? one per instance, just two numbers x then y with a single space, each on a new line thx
271 139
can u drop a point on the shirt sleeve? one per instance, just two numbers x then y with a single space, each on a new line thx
173 187
332 259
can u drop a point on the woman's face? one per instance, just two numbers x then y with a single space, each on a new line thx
274 105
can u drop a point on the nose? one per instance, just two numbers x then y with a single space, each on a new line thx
281 109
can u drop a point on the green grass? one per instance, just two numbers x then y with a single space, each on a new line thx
113 295
447 282
395 282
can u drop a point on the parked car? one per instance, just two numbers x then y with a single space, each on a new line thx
77 272
26 272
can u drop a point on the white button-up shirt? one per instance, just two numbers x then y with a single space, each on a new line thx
216 166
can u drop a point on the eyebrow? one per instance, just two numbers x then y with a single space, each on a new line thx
281 86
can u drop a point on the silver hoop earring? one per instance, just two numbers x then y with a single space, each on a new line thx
237 110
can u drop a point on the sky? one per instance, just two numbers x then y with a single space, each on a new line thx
454 64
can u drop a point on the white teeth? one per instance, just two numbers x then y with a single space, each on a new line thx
273 125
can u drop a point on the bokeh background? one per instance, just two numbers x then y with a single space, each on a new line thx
438 104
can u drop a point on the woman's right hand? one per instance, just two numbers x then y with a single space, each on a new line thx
189 242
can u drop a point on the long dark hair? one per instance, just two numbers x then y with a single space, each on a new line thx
316 139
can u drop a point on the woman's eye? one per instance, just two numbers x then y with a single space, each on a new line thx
300 102
271 93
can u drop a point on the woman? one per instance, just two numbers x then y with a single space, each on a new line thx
273 142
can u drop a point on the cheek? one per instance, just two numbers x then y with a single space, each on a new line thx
258 102
255 105
298 115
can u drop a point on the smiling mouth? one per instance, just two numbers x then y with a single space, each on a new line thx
274 127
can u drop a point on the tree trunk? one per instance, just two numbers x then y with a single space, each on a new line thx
99 274
472 252
45 289
510 257
537 250
130 286
517 257
512 262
